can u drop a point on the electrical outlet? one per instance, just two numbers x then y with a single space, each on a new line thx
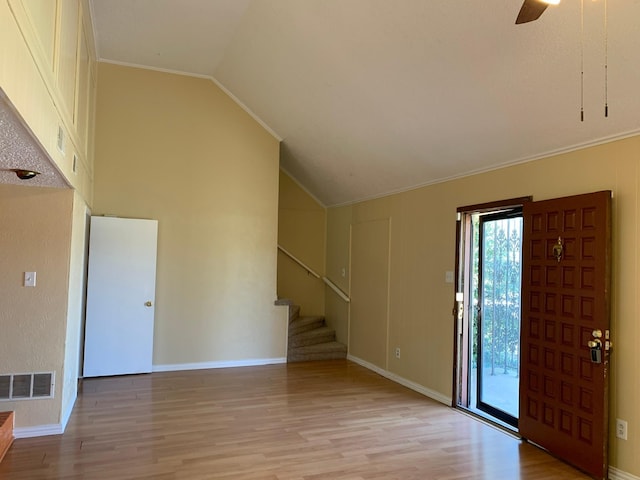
397 352
621 429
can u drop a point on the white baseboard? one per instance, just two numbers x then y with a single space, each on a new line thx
437 396
253 362
38 431
616 474
44 430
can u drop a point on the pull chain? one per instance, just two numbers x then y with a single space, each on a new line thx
582 60
606 61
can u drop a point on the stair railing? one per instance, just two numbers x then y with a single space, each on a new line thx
298 261
310 271
336 289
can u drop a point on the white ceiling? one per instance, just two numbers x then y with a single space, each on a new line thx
376 96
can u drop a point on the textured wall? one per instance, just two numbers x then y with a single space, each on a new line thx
35 236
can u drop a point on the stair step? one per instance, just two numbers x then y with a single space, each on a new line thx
304 324
283 301
312 337
6 432
321 351
294 312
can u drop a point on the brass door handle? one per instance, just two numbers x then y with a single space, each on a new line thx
597 343
148 303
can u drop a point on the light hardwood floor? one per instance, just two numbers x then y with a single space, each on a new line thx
329 420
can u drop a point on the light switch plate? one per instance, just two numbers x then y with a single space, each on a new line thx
29 279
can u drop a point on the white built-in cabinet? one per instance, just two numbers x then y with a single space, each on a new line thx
48 72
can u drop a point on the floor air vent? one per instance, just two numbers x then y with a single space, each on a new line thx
24 386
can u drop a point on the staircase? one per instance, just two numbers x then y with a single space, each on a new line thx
6 432
311 339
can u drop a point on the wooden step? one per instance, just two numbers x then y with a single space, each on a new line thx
6 432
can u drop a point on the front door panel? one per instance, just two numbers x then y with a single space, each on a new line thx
565 298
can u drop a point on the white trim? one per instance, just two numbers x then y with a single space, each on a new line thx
38 431
66 415
207 77
302 187
437 396
499 166
94 28
253 362
246 109
617 474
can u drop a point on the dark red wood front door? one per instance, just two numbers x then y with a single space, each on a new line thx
565 299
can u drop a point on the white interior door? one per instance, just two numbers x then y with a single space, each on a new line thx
120 296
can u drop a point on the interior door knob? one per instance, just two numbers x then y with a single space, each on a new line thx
148 303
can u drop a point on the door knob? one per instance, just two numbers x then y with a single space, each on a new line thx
594 344
597 333
148 303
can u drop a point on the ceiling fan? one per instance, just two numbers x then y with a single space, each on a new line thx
532 9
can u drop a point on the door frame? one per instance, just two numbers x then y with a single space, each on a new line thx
461 258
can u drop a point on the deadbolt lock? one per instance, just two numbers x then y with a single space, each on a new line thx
596 350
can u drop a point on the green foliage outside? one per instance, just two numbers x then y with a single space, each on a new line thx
499 294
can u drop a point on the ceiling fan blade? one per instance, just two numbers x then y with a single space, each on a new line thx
530 11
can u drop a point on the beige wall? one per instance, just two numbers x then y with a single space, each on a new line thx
422 240
370 290
177 149
301 231
35 235
338 270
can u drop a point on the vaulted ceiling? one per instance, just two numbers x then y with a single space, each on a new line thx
371 97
